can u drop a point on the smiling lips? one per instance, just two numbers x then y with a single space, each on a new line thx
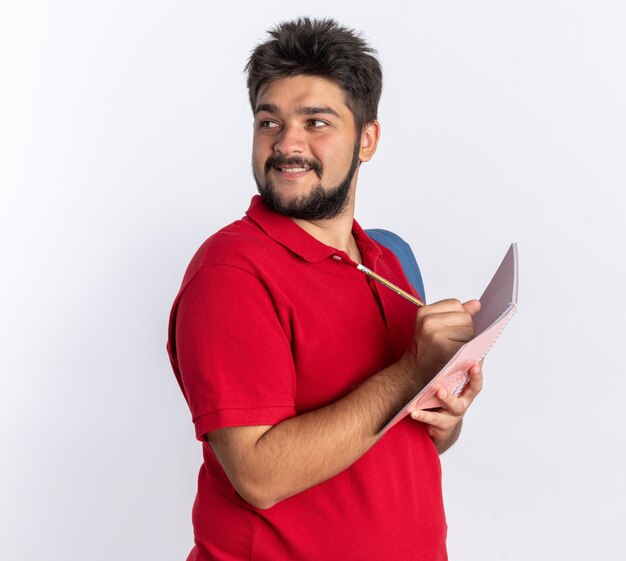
292 169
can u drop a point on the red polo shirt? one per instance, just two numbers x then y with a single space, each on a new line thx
270 323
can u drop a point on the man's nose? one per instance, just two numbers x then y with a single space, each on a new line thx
290 141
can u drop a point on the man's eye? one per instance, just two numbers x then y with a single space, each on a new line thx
268 124
317 123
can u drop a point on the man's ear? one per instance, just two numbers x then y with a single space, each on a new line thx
369 140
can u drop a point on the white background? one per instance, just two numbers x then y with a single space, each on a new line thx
125 142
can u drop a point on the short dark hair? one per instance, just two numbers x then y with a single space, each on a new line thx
320 48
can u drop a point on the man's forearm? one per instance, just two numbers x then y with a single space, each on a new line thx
269 464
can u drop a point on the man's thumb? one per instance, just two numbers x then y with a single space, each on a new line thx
472 307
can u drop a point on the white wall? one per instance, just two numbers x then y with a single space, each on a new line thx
125 138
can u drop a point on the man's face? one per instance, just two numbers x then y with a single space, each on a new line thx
305 150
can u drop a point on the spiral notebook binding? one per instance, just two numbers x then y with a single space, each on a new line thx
461 383
493 342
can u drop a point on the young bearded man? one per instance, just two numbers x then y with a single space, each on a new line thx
290 358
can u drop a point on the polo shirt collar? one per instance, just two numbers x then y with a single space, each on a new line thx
287 233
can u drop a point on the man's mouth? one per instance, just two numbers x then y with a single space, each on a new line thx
292 169
296 167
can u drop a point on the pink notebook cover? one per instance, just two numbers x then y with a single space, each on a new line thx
498 305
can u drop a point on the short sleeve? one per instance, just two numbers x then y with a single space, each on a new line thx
233 353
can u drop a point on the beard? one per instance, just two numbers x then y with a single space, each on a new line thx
319 203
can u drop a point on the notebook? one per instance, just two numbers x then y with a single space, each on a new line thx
498 305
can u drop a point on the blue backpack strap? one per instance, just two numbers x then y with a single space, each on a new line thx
404 254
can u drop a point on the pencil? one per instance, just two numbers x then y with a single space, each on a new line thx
390 285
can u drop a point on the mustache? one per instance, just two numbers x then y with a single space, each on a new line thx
279 160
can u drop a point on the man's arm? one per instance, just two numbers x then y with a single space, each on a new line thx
267 464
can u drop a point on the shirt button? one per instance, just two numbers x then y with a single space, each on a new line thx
336 257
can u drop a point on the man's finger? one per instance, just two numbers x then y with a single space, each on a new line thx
458 406
441 307
473 387
440 421
471 307
475 383
454 405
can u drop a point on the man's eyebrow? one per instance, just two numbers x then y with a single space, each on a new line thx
268 107
311 110
317 111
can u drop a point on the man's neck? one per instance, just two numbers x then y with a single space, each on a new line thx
335 232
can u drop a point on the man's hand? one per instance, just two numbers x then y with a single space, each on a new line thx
444 426
441 329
